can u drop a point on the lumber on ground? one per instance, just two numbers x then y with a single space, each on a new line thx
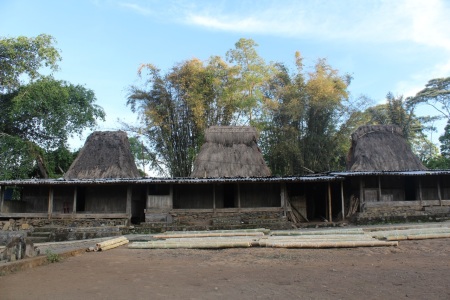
102 245
327 244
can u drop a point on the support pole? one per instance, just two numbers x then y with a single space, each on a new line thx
2 197
129 195
379 188
420 191
329 203
239 196
283 197
75 195
50 202
214 198
439 191
342 200
361 194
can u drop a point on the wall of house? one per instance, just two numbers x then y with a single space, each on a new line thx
105 199
260 195
193 196
63 199
36 198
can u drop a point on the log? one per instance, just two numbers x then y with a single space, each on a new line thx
264 230
207 234
99 246
422 236
111 246
189 245
341 244
318 232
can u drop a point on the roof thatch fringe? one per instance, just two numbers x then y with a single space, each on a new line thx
381 148
230 151
106 154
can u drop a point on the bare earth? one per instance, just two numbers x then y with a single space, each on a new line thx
413 270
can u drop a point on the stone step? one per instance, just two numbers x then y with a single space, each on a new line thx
38 239
45 229
40 234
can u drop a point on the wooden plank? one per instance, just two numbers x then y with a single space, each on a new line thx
129 198
2 197
75 195
228 210
342 201
439 192
330 212
50 202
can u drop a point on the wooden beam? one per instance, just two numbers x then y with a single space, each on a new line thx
129 195
379 188
342 200
439 191
171 196
50 202
239 195
361 194
2 197
214 197
420 191
283 197
75 195
330 213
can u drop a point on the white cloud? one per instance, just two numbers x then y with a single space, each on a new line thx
137 8
422 22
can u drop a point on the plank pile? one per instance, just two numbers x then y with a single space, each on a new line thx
262 238
109 244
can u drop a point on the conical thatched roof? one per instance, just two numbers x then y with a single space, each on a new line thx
106 154
381 148
230 151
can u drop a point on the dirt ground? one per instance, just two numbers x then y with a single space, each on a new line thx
413 270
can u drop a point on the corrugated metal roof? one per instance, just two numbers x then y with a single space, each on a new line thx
392 173
179 180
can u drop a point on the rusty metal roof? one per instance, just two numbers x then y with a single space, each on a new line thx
178 180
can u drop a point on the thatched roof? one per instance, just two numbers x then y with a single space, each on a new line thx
230 151
106 154
381 148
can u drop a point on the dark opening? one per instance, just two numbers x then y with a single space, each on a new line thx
81 199
410 188
159 189
229 196
317 201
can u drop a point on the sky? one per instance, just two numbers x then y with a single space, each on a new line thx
387 46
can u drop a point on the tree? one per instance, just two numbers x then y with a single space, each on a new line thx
251 75
38 117
435 94
175 108
305 129
25 56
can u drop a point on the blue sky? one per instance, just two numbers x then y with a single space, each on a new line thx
394 46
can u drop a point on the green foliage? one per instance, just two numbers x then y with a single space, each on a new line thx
304 132
52 257
436 94
38 117
25 56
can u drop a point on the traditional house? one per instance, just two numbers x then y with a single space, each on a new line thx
389 181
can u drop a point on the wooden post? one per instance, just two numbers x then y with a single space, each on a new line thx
342 200
239 195
129 195
214 198
330 213
283 197
2 197
361 194
439 191
420 191
379 188
75 195
171 197
50 202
